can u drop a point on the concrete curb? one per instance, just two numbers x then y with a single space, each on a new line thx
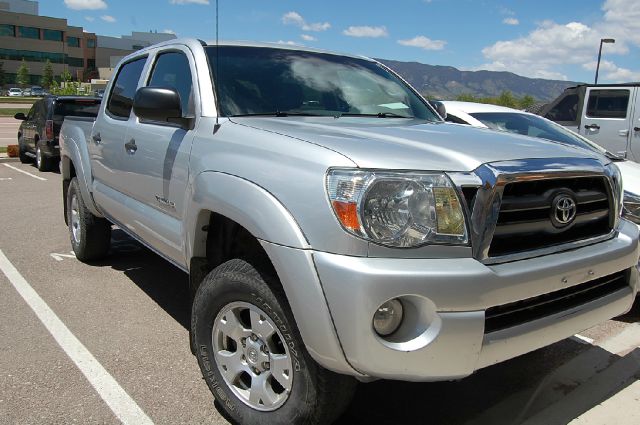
7 159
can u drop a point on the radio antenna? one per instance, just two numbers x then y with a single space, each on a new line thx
217 79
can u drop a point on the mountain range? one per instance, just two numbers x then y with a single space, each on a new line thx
447 82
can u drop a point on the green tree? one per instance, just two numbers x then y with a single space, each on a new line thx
3 76
22 77
65 76
527 102
47 75
507 99
466 97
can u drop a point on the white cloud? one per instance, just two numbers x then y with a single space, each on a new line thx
294 18
169 31
289 43
89 18
511 21
108 18
85 4
307 37
424 43
189 2
366 31
551 45
612 72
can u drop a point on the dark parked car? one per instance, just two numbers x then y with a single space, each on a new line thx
38 134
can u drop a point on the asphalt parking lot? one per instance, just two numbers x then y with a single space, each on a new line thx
124 321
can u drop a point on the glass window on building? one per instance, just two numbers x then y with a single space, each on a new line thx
91 43
29 32
77 62
7 30
30 56
91 64
52 35
73 42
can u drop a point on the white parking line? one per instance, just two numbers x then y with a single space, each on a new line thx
120 403
24 172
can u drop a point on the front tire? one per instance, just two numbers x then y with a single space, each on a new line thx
90 235
252 356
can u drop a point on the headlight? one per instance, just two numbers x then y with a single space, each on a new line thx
397 209
631 207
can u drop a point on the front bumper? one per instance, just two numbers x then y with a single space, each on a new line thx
448 299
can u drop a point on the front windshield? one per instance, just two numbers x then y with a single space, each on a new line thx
534 126
272 81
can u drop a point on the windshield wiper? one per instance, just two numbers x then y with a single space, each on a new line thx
378 115
281 114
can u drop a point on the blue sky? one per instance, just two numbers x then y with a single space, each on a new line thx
543 38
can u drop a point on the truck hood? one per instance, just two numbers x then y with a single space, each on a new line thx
392 143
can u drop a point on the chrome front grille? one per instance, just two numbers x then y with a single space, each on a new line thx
510 206
527 219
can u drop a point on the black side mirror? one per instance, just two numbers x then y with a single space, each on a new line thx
20 116
441 110
160 104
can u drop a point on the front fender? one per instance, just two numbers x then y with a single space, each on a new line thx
244 202
262 214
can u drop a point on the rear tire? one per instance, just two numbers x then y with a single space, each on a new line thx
252 356
90 235
42 162
22 151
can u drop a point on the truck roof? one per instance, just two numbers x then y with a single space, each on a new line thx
245 43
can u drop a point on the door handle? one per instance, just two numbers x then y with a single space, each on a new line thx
96 138
623 133
636 128
131 147
592 127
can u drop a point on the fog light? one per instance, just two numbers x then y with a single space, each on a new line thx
388 317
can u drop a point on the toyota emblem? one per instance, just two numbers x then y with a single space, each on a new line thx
563 210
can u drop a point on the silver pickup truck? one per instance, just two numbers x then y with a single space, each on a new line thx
334 227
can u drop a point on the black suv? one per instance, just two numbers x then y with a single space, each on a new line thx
38 134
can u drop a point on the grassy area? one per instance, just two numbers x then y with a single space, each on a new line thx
3 149
29 100
9 112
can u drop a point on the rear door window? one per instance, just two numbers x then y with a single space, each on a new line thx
124 88
608 103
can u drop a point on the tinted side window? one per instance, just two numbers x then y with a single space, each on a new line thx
41 110
32 111
565 110
172 70
608 103
124 88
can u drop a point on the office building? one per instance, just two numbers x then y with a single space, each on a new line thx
26 35
38 38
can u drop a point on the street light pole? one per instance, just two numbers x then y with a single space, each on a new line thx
602 40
